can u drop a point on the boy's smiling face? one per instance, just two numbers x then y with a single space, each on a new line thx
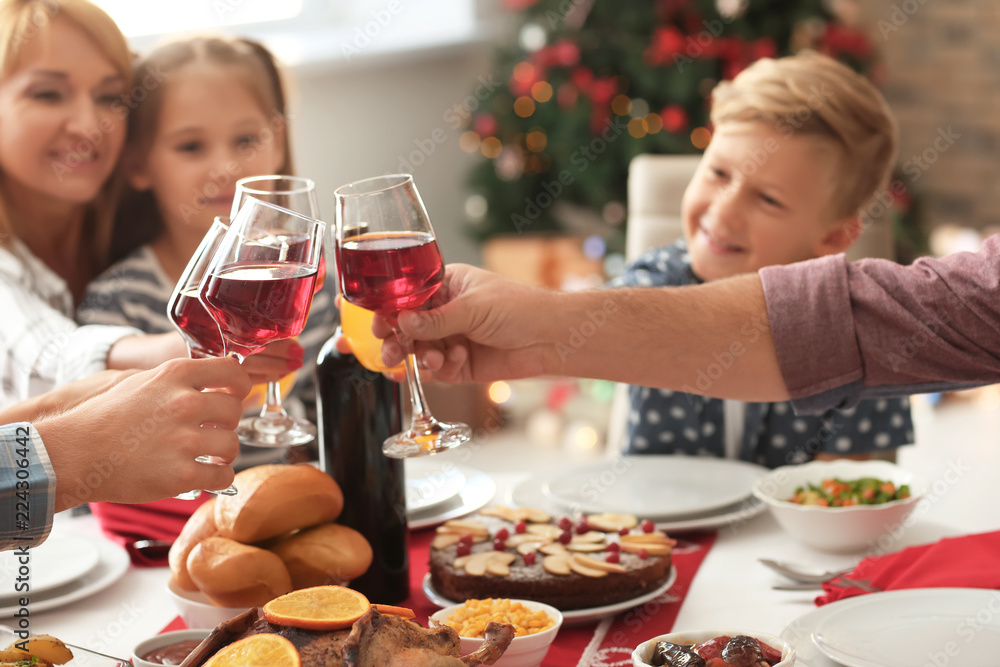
760 198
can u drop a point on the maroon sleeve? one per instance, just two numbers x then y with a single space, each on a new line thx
883 328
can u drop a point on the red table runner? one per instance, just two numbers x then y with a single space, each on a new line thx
599 644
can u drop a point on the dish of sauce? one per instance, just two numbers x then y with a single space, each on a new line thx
171 654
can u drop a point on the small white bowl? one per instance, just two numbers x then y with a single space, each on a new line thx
643 653
197 610
837 529
159 641
526 651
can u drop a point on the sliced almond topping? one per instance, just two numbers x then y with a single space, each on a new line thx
528 547
651 548
463 525
591 536
536 516
462 560
584 546
580 567
597 564
647 538
556 564
444 540
515 540
476 566
505 513
552 549
611 523
545 530
497 568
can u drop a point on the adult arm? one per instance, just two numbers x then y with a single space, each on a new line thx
710 339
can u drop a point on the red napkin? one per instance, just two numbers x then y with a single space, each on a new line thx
969 561
159 520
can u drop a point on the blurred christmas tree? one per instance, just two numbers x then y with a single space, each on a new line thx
592 83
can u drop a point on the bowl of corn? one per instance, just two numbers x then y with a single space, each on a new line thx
535 627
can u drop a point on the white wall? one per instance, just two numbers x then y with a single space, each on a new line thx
352 122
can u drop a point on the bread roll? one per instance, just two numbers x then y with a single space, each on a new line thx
237 575
327 554
198 527
275 499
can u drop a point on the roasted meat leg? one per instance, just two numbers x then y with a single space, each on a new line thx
380 640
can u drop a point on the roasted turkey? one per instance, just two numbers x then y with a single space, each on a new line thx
375 640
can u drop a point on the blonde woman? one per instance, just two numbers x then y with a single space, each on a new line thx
65 84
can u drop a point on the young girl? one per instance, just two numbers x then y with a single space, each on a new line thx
213 112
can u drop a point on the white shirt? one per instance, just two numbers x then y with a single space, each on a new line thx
40 345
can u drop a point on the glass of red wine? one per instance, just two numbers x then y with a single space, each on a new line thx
274 427
200 332
388 261
259 284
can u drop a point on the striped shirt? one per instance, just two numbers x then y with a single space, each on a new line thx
27 489
135 292
41 346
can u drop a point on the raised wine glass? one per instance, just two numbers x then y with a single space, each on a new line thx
274 427
388 261
200 332
259 284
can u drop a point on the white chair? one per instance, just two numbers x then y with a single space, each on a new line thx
656 184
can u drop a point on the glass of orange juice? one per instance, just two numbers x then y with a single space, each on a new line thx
356 323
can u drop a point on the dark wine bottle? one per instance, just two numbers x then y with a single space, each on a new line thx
357 410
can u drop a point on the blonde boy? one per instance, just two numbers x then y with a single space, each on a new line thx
800 147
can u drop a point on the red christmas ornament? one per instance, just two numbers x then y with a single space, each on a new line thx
666 44
675 118
567 53
485 125
764 48
582 78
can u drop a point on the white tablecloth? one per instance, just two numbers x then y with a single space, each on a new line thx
731 590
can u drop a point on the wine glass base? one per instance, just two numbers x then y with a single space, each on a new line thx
282 432
426 439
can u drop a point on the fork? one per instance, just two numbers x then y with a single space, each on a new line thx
801 575
838 580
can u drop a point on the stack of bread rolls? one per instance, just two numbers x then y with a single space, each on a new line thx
276 535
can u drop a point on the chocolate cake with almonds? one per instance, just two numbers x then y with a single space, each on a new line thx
524 553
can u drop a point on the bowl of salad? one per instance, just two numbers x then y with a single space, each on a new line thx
841 506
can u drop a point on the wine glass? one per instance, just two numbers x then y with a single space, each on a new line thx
259 284
274 427
200 332
388 261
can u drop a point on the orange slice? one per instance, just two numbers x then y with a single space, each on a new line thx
318 608
394 611
263 650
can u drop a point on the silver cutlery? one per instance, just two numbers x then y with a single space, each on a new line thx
802 574
839 580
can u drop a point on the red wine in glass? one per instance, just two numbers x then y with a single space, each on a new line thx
390 271
196 325
259 302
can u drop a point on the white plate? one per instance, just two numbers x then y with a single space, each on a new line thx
575 616
112 566
430 483
657 487
910 627
479 489
529 494
55 562
799 635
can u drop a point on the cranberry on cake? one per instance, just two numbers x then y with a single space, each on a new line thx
524 553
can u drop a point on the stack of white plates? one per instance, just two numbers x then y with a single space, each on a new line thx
438 490
675 492
63 569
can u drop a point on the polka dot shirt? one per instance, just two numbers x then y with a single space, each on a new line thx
667 422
